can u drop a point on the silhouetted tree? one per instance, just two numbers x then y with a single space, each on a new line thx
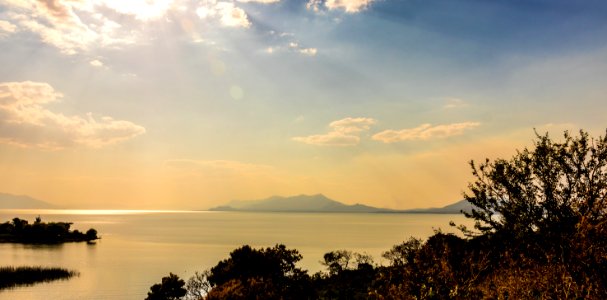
198 286
272 268
544 211
91 234
349 275
554 185
404 253
171 288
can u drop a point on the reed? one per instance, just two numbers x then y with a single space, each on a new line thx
16 276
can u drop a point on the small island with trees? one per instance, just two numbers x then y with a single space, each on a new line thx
20 231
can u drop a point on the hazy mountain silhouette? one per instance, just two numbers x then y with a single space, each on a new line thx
22 202
301 203
320 203
454 208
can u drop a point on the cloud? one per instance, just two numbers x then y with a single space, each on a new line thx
424 132
308 51
6 28
291 45
58 28
344 132
232 16
352 125
24 121
96 63
349 6
76 26
330 139
228 14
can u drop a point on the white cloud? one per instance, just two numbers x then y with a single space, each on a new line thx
424 132
289 43
96 63
57 28
232 16
308 51
352 125
294 46
204 12
76 26
344 132
349 6
24 121
6 28
229 14
332 138
314 5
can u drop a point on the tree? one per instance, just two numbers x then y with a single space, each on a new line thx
91 234
404 253
198 286
171 288
554 184
546 208
341 260
273 268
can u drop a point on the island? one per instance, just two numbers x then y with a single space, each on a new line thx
321 204
21 231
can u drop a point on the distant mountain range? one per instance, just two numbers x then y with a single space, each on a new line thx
454 208
9 201
320 203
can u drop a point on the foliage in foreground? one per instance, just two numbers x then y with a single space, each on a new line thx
20 231
540 233
171 288
16 276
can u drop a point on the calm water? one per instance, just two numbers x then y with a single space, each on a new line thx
138 248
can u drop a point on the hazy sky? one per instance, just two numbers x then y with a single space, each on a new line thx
190 104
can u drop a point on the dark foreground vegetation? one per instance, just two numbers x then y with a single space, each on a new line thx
540 233
16 276
20 231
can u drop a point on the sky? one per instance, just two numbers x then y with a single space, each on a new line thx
183 104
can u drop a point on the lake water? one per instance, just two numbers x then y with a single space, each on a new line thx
138 248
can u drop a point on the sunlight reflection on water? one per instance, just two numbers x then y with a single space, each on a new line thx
139 247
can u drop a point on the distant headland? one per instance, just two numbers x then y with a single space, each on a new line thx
10 201
321 203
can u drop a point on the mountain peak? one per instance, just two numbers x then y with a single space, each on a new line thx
299 203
